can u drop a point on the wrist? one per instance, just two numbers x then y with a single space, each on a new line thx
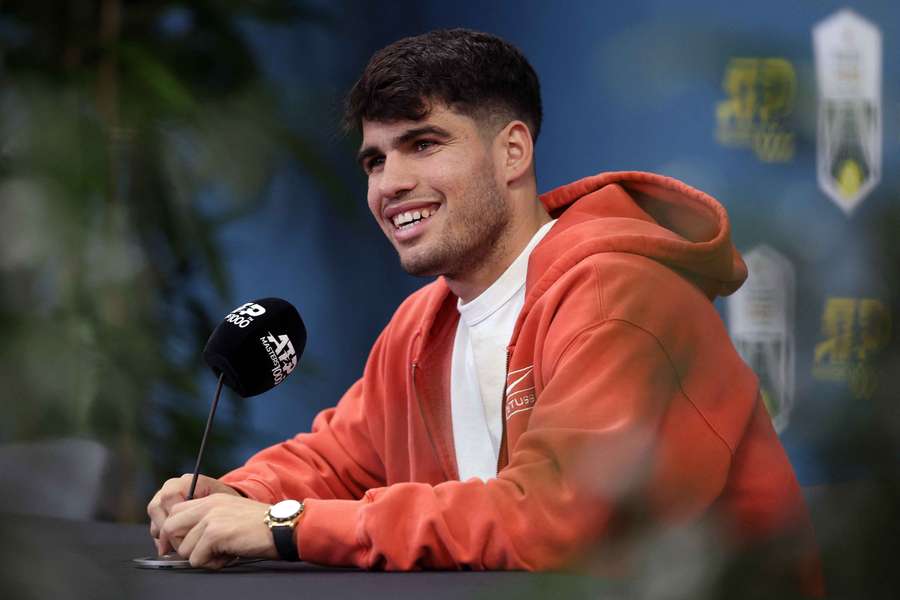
282 519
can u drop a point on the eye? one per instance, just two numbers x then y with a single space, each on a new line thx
422 145
373 163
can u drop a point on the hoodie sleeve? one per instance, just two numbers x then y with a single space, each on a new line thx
337 460
588 466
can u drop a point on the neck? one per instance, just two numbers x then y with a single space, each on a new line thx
523 226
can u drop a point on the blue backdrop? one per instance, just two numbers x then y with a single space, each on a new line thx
635 86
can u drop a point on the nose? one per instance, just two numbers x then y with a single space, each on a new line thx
396 177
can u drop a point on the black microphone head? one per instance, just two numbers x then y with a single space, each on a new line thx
257 345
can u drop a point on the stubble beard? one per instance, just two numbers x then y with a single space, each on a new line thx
474 234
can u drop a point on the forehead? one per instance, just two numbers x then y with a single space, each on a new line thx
381 133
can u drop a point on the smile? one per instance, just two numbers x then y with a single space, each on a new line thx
411 218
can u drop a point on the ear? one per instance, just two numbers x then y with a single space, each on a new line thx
515 151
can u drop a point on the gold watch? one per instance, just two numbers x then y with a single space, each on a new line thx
281 519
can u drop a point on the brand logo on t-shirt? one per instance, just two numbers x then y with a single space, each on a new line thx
520 391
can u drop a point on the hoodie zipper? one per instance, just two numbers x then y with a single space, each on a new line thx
503 413
413 366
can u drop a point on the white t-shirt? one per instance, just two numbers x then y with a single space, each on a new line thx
478 370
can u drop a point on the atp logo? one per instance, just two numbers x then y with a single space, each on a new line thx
281 353
244 314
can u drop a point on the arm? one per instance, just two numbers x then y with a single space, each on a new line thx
337 460
590 460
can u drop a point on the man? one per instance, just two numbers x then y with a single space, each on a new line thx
565 382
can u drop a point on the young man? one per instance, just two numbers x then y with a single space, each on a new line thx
565 383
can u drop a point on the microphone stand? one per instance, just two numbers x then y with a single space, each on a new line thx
173 560
209 420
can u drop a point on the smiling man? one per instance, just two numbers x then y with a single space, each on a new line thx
454 200
564 387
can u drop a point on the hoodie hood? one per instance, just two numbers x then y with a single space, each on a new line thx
639 213
634 212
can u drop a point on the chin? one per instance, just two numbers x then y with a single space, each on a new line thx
419 270
420 266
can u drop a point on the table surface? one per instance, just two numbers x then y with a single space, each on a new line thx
56 558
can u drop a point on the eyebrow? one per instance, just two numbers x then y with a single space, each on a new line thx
406 137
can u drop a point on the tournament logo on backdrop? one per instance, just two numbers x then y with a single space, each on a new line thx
848 70
761 325
854 331
761 94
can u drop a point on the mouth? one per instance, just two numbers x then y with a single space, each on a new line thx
410 222
410 218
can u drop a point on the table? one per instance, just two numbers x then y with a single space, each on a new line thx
43 557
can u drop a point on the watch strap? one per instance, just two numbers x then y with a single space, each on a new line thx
285 543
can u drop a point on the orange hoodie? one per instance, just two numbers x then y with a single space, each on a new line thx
625 403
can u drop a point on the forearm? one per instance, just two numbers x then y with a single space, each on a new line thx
337 460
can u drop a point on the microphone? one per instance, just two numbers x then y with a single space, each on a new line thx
256 346
252 350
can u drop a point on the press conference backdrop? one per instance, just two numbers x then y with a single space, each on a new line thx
788 113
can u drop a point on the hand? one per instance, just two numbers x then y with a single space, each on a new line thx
173 492
211 531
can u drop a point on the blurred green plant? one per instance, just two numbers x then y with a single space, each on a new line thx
131 132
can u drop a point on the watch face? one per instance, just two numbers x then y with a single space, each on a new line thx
285 509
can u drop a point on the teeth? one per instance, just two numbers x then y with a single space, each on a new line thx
406 219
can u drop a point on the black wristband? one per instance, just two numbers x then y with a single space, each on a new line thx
285 543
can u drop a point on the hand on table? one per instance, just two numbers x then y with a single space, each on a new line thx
175 491
212 531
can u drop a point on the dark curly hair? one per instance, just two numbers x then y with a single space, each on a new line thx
476 74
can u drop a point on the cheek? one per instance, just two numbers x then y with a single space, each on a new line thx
374 205
471 171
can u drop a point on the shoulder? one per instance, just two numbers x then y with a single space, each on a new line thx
635 290
623 286
642 290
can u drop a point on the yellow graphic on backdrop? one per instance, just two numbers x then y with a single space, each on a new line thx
761 94
849 179
854 331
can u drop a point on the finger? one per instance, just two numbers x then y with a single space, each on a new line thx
162 547
158 518
220 562
181 520
174 491
203 553
186 505
153 505
186 547
156 513
197 505
158 509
